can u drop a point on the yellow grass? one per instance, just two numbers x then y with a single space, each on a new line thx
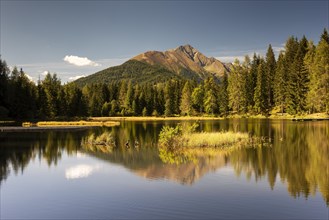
313 116
27 124
77 123
178 145
214 139
151 118
102 143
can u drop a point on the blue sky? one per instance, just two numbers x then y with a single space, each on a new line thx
76 38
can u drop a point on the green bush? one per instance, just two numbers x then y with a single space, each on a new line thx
169 137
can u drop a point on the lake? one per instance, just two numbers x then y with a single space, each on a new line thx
51 175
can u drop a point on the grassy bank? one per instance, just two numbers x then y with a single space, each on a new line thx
71 123
208 117
152 118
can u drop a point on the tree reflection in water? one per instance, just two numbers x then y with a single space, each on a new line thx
298 156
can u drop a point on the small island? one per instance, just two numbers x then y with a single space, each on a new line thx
183 144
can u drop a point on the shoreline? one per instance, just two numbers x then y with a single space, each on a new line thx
41 129
310 117
114 121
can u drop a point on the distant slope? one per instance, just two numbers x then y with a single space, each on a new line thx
136 71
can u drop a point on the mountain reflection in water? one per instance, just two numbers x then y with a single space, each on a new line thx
298 156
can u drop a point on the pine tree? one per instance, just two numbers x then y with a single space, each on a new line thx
312 90
129 97
52 85
106 108
280 83
210 104
318 96
251 80
210 99
168 108
114 108
261 92
122 93
21 95
42 102
170 97
325 36
270 72
186 102
197 98
4 84
237 88
149 98
291 49
223 95
300 77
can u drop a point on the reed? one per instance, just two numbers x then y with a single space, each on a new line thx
214 139
102 143
77 123
153 118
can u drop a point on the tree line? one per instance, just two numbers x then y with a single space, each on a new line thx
296 83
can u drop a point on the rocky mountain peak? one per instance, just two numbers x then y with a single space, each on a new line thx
184 58
188 50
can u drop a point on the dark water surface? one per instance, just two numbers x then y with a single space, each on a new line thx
49 175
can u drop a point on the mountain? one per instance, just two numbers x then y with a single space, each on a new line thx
184 59
151 166
183 62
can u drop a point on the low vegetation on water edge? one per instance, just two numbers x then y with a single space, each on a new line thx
183 144
71 123
99 143
154 118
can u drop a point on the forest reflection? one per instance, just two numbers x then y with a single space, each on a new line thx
298 156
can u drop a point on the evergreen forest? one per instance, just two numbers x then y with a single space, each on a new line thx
297 82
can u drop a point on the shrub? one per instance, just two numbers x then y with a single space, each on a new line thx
169 137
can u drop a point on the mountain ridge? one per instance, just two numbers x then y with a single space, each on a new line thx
183 62
184 57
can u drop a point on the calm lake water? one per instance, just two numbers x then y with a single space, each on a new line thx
49 175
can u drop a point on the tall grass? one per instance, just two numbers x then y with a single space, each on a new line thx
214 139
102 143
182 144
173 137
76 123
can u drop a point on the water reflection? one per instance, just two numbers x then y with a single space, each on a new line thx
298 156
80 171
18 149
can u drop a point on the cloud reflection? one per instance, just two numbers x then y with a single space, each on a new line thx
80 171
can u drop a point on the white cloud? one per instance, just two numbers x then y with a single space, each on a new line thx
230 59
79 61
81 155
44 73
278 49
80 171
64 71
72 78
